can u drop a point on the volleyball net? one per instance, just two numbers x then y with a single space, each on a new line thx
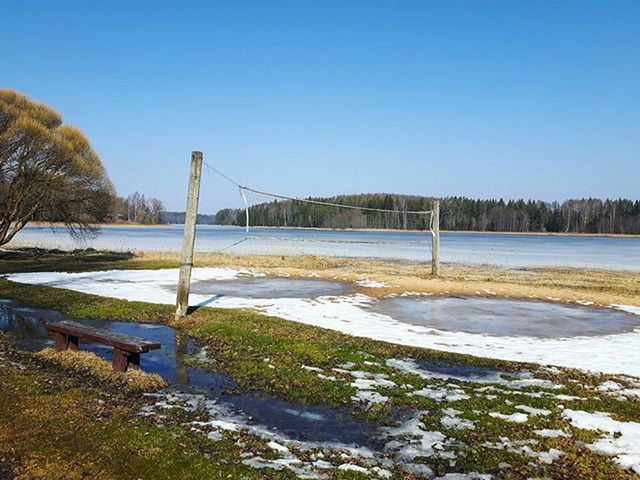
345 225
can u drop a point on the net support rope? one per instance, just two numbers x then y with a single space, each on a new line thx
243 194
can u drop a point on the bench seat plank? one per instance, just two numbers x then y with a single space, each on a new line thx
105 337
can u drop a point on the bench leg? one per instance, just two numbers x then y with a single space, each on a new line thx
60 341
134 361
63 341
119 360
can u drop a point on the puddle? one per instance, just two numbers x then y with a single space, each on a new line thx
263 287
307 423
451 370
459 371
505 317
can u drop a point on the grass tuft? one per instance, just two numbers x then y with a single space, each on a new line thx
83 362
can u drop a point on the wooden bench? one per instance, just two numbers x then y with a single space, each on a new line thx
126 349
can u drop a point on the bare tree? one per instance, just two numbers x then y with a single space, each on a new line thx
157 210
47 170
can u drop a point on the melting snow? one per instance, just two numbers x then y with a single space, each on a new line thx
622 439
514 417
613 353
353 468
370 383
534 411
524 379
627 308
222 417
402 444
452 420
523 448
446 394
368 397
465 476
313 369
371 284
549 433
277 447
614 389
411 440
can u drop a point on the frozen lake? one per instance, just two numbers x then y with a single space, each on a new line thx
504 250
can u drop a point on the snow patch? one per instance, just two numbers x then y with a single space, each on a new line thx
452 420
411 439
626 308
514 417
534 411
614 389
465 476
621 440
312 369
369 397
551 433
371 284
524 379
353 468
522 447
445 394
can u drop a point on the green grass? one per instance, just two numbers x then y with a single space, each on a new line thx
56 426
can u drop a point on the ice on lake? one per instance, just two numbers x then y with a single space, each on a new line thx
505 250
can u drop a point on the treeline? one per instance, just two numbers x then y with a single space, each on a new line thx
137 209
291 213
456 213
178 217
587 215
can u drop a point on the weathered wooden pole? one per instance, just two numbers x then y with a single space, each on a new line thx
435 243
189 238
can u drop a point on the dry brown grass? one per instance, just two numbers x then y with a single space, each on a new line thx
87 363
603 287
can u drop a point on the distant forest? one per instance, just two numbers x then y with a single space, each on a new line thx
178 217
456 213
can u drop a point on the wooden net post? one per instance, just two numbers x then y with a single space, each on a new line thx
189 238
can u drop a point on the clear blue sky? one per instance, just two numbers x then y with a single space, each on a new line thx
534 99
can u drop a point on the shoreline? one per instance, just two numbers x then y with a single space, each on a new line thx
375 230
102 225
